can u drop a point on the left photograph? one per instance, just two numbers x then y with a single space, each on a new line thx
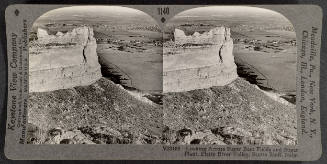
95 77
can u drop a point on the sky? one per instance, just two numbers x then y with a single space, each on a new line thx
110 11
228 10
234 13
115 13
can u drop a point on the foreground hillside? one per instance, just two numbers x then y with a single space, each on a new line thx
106 113
238 113
103 112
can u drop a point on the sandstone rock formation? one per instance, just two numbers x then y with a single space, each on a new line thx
199 60
214 36
63 60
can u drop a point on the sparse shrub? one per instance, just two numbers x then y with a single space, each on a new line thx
257 48
121 48
32 36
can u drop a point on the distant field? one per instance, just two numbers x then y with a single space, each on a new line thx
289 34
145 69
142 63
278 69
266 35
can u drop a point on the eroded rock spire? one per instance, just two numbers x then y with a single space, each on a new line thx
199 60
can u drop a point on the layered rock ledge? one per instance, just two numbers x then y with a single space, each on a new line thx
63 60
198 61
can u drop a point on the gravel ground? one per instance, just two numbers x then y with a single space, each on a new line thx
238 113
81 110
106 113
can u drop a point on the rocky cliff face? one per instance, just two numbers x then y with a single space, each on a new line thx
63 60
199 60
214 36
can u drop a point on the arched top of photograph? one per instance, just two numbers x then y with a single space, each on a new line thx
99 17
237 18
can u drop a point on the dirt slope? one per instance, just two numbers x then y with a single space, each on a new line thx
102 113
105 113
238 113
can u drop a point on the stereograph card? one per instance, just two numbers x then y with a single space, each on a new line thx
178 82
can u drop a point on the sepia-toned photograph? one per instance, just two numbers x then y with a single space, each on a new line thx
229 77
163 82
222 75
95 77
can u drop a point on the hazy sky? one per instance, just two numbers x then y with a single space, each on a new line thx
234 13
134 15
228 10
93 10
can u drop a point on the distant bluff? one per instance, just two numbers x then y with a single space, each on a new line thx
63 60
198 61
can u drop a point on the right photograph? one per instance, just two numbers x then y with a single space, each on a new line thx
229 77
